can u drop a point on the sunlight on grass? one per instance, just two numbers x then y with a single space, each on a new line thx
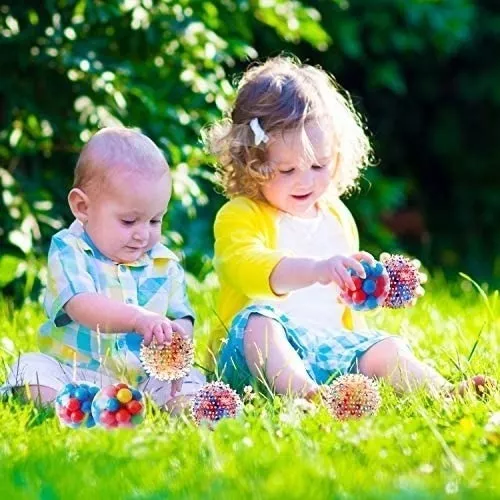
415 448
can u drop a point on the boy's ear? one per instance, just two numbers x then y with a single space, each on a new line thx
79 204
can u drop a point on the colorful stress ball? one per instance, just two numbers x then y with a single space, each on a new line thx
404 279
73 404
352 396
370 292
118 405
168 361
394 282
213 402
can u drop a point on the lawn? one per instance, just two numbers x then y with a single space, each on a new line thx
414 448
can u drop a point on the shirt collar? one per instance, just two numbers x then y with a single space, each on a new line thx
159 251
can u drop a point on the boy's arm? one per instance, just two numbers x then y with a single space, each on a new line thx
112 316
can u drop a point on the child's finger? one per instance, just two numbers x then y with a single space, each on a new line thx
419 291
364 256
148 337
345 278
356 266
422 277
167 331
383 256
178 329
158 334
176 387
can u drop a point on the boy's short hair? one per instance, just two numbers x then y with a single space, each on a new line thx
113 151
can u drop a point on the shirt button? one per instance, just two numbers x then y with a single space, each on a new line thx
129 301
122 268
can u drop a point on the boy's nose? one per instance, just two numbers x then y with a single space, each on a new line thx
140 233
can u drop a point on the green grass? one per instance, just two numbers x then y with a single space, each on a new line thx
415 448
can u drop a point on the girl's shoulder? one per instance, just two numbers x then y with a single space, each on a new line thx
246 207
337 208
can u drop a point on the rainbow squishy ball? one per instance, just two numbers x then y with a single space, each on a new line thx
73 405
168 361
118 405
404 279
351 397
370 292
213 402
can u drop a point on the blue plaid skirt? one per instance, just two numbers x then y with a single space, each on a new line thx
326 354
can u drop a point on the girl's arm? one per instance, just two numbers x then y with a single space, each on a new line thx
292 273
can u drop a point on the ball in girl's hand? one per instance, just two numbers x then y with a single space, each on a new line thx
118 405
168 361
73 404
370 292
404 278
213 402
352 396
394 282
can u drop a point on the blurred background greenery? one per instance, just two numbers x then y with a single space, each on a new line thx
425 73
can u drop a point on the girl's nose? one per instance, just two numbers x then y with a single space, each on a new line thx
306 177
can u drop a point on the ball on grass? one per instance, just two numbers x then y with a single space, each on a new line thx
73 404
215 401
168 362
352 396
118 405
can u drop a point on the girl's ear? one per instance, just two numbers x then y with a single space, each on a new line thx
79 204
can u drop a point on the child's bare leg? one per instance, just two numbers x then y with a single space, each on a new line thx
269 355
40 394
392 360
178 404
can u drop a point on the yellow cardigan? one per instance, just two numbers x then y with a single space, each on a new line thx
245 254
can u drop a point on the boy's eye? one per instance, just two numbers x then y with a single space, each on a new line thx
156 221
126 222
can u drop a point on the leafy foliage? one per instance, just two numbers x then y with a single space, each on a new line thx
424 73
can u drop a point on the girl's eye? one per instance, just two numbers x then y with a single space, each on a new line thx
318 167
127 222
287 172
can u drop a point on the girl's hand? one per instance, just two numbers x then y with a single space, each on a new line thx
155 326
336 269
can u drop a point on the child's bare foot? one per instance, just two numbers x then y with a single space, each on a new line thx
315 395
479 385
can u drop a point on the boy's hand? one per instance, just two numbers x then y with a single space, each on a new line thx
176 386
155 326
336 269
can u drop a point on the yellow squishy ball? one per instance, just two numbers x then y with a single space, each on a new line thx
124 395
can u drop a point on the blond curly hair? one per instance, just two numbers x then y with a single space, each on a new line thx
285 95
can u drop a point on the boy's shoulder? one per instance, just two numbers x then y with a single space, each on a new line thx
71 236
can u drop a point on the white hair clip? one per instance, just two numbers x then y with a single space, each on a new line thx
260 135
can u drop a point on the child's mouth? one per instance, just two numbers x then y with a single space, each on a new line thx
301 197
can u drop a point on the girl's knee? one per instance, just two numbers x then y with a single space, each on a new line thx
386 352
261 329
261 334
